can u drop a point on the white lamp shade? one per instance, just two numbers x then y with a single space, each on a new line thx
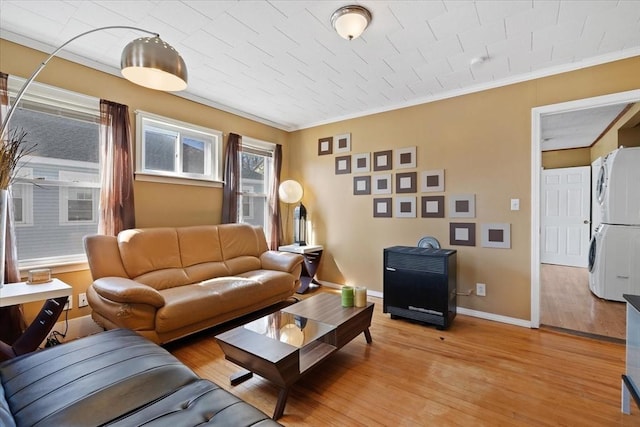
290 191
153 63
351 21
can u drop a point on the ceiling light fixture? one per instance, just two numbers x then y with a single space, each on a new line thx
147 61
350 21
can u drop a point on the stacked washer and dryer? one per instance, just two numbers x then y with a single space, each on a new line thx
614 254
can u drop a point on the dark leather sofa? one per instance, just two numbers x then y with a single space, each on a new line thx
114 378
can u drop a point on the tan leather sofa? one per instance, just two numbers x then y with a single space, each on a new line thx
166 283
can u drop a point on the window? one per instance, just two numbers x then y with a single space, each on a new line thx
22 195
176 150
256 178
56 193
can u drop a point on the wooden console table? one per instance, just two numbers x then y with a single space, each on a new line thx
54 292
312 255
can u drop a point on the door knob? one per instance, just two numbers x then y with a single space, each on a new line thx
586 221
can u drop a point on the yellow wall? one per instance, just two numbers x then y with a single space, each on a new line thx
611 139
156 204
566 158
483 141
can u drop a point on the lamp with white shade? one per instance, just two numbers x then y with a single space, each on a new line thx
290 192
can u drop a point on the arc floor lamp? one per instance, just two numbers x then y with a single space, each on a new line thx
146 61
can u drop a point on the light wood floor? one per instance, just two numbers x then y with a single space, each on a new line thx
476 373
566 302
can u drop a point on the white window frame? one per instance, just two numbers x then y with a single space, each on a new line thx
23 182
68 100
257 145
213 152
70 180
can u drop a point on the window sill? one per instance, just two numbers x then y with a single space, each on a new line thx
56 266
179 181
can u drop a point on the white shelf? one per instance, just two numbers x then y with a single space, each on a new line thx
22 292
300 249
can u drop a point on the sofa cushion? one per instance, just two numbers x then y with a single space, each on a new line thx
151 250
195 404
238 240
6 419
189 304
199 244
90 381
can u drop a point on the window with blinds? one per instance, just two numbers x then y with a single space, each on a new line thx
256 178
56 193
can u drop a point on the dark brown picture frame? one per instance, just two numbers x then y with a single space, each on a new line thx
378 157
347 166
367 184
329 150
413 185
387 201
439 213
471 230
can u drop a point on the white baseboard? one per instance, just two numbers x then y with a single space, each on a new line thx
460 310
76 328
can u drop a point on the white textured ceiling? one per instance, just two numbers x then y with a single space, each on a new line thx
281 62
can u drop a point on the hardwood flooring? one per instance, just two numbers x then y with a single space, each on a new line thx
566 302
476 373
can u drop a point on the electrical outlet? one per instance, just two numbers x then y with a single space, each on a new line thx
82 300
69 304
481 289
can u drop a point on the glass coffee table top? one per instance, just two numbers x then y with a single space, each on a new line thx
288 328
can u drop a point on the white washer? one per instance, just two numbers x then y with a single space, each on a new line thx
596 210
614 261
618 187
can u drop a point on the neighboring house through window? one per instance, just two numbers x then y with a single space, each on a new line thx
56 193
256 178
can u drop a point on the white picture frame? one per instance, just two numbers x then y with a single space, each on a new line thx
381 184
361 163
342 143
495 235
432 181
405 207
404 158
462 206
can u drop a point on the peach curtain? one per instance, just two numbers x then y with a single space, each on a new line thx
116 172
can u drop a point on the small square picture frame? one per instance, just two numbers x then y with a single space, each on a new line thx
462 206
343 165
462 233
361 163
406 182
432 181
383 160
405 207
405 158
495 235
342 143
325 146
381 184
361 185
382 207
432 206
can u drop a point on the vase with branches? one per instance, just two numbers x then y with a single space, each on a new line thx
12 151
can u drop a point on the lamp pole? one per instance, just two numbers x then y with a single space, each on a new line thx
5 122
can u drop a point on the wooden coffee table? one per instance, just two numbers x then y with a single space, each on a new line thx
285 345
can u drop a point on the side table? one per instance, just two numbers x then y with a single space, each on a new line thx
312 255
55 292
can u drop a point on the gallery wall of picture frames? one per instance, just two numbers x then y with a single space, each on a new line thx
377 174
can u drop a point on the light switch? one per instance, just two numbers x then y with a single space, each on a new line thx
515 204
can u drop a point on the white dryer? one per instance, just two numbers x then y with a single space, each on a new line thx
614 261
618 187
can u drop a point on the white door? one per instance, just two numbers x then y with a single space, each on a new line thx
565 216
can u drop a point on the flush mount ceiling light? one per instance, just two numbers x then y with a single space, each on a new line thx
350 21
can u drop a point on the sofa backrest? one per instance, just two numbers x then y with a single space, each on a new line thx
164 257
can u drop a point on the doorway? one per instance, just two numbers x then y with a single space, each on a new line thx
536 176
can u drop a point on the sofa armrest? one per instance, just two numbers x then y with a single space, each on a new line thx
280 261
123 290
